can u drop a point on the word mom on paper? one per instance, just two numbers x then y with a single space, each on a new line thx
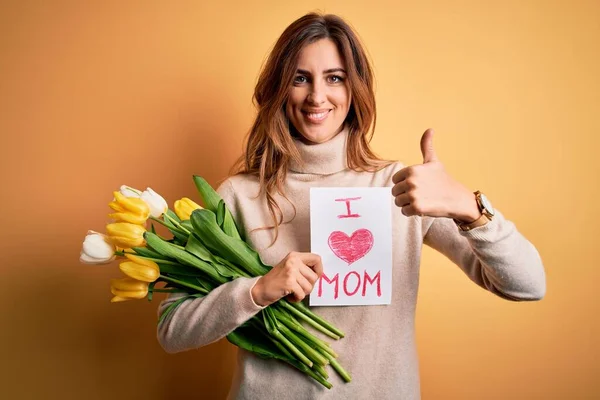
351 229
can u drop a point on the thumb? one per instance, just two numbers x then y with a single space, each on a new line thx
427 147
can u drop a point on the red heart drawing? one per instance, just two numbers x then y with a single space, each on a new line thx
351 248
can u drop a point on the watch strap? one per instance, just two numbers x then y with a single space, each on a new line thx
482 220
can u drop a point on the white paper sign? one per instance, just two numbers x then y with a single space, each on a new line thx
351 229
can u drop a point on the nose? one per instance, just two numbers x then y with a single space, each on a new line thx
317 94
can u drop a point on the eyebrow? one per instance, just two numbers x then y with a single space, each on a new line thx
327 71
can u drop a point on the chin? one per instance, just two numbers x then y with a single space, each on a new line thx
319 135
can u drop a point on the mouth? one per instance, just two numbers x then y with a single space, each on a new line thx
316 116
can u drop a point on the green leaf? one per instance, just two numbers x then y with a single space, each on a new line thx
221 213
172 215
151 290
197 248
209 196
176 304
212 201
251 339
182 280
184 257
172 308
179 269
234 250
180 236
187 224
146 252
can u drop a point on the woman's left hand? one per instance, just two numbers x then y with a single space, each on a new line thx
427 189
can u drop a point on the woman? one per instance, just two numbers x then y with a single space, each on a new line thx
316 110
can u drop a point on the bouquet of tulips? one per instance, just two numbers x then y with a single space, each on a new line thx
205 251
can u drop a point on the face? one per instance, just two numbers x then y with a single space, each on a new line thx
319 98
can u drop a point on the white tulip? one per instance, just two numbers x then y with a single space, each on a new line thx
97 249
158 205
128 191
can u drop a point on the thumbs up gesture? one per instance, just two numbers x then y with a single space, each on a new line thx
427 189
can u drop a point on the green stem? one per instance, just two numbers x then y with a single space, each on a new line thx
159 260
295 351
321 371
304 309
183 283
295 363
272 327
315 376
339 369
306 318
160 221
292 324
177 224
311 353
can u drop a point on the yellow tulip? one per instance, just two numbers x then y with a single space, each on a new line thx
126 235
140 268
117 299
129 209
184 208
128 289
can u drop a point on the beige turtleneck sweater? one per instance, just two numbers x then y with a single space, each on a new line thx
379 349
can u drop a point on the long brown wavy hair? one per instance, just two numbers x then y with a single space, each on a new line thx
269 144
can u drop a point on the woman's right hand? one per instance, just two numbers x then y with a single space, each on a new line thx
294 277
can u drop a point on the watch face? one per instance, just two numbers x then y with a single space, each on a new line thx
486 203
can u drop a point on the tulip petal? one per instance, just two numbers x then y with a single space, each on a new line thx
132 204
126 235
145 273
117 299
184 208
156 202
140 294
86 259
122 286
141 260
128 191
127 242
116 206
128 217
96 246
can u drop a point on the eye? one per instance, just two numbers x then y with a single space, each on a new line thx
335 79
300 79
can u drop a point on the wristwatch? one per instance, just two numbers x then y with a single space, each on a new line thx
486 210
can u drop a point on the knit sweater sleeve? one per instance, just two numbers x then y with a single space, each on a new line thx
496 256
198 322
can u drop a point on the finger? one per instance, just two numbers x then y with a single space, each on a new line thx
308 273
402 200
409 210
313 261
297 293
399 188
309 259
304 284
400 175
405 173
427 149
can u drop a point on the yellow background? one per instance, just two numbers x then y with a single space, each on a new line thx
97 94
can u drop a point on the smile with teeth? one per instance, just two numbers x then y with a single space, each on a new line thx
320 116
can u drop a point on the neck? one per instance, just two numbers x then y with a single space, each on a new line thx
323 158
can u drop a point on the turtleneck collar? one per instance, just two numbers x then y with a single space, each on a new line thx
323 158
